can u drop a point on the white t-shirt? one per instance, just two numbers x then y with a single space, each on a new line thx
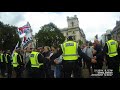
88 51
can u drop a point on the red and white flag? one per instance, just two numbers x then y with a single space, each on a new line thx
27 37
26 29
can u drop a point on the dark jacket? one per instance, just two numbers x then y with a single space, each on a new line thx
9 59
47 62
99 53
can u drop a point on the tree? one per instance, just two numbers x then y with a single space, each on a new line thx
8 36
49 35
80 42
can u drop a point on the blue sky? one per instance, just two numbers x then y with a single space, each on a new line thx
92 23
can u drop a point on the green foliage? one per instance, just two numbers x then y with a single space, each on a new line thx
49 35
80 42
8 36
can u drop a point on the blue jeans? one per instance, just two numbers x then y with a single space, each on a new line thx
58 69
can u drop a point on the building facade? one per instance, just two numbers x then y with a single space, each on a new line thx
74 30
104 37
116 31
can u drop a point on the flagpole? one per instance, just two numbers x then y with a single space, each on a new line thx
15 48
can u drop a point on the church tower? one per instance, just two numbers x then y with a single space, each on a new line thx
73 22
73 29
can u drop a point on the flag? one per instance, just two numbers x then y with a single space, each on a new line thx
26 29
25 33
27 39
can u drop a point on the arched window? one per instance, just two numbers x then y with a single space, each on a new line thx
66 33
72 24
73 32
74 37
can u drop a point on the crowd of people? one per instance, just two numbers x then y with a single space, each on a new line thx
57 61
49 70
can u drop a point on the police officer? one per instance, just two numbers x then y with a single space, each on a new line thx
36 64
70 51
111 51
9 64
17 63
2 63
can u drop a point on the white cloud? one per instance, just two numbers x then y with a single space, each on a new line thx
92 23
97 22
11 17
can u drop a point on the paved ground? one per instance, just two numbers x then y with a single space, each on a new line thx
85 73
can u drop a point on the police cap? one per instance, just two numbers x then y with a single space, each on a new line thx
70 37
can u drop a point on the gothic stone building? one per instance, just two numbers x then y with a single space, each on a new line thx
74 29
116 31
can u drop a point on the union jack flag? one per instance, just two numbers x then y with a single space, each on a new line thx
25 33
25 29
